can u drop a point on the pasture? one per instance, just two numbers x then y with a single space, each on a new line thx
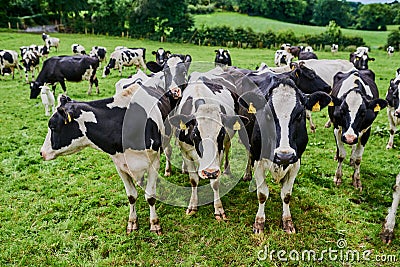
72 211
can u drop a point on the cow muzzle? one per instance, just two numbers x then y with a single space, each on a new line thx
350 139
285 158
176 92
210 173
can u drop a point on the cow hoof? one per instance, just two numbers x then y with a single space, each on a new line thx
352 162
357 184
389 146
258 228
167 173
191 211
247 177
288 226
312 128
337 181
156 229
220 217
327 125
132 226
386 236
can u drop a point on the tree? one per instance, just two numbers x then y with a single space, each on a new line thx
373 17
327 10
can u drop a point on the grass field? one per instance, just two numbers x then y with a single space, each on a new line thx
73 211
374 39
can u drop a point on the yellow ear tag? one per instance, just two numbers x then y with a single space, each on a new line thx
316 107
68 120
182 126
236 126
377 108
252 109
331 104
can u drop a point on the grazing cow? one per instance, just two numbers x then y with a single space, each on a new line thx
282 58
304 55
78 49
161 56
125 57
205 120
99 52
51 41
390 50
334 48
393 109
360 58
355 105
222 57
128 126
279 139
30 61
9 60
387 234
66 68
47 99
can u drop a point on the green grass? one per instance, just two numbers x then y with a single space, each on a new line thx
374 39
73 211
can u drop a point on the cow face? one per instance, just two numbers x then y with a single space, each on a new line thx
360 61
110 65
392 96
222 57
307 80
206 130
35 89
355 114
161 56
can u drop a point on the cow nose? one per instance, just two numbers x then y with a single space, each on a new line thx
349 139
210 173
285 158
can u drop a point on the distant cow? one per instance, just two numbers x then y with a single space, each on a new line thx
99 52
334 48
78 49
360 58
282 58
222 57
355 105
30 61
51 41
161 55
125 57
59 69
9 60
387 233
393 109
390 50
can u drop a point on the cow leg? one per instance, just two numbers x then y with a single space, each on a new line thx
218 208
356 158
13 71
387 234
262 195
286 193
168 153
151 196
392 130
340 156
227 168
62 82
248 174
194 181
328 123
308 116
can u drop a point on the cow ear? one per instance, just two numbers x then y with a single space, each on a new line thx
63 99
153 52
372 58
182 121
317 101
154 67
377 104
216 50
252 102
188 60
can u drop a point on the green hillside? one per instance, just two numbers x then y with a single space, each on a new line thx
374 39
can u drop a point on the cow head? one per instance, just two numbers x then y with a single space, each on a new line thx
206 130
110 65
222 57
360 61
161 56
35 89
392 96
307 80
66 133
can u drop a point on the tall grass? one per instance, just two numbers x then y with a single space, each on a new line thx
73 211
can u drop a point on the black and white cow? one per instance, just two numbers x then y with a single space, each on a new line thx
355 105
100 52
279 139
125 57
360 58
387 233
161 55
282 58
30 62
393 109
51 41
78 49
129 127
222 58
334 48
205 120
390 50
66 68
9 60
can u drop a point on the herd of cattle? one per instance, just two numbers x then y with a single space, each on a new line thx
267 108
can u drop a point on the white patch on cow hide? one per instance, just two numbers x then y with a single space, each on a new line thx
86 116
354 102
122 99
88 73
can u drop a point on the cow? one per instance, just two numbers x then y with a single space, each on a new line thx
99 52
387 233
161 55
78 49
222 57
51 41
128 126
282 58
59 69
30 62
279 139
393 108
205 121
355 105
390 50
125 57
334 48
9 60
360 58
47 100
